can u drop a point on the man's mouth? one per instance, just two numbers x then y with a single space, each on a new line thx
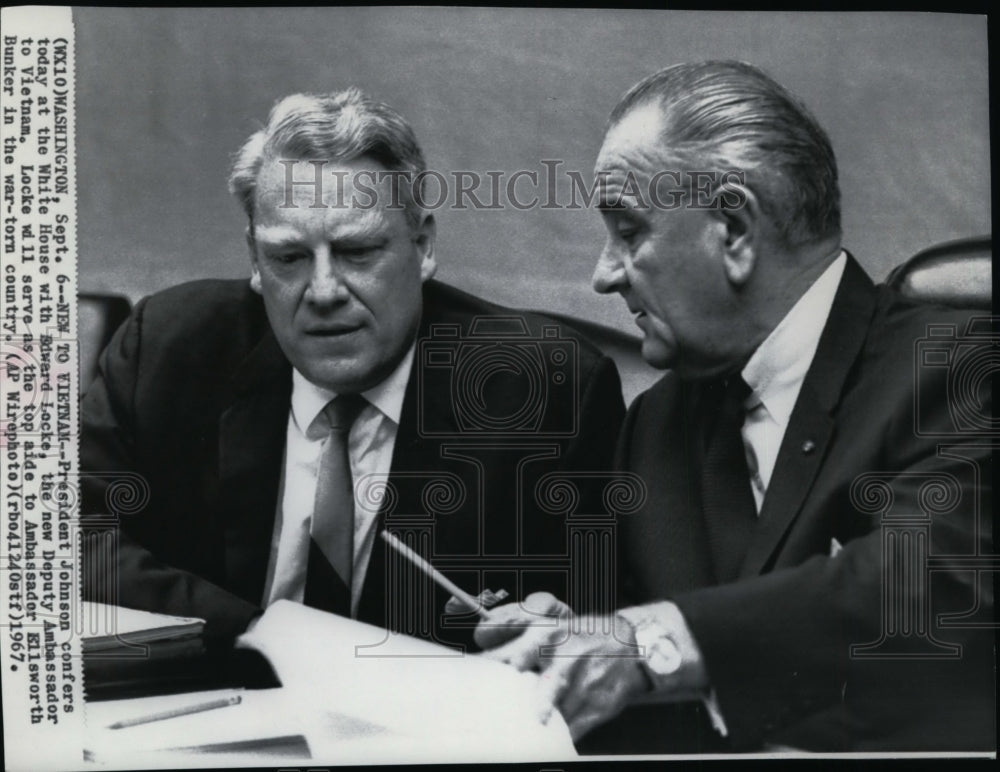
633 307
332 330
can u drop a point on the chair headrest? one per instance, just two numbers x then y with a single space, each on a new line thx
957 273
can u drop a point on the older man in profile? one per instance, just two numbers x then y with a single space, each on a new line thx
266 416
761 582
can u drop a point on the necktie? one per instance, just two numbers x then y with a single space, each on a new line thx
331 548
727 499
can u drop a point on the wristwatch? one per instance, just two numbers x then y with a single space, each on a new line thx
661 657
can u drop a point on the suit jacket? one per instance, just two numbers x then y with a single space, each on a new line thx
183 441
880 457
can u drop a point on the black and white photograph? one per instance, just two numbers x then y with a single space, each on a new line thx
402 385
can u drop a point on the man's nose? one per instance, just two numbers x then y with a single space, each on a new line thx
609 273
326 285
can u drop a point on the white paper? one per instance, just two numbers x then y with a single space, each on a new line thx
450 707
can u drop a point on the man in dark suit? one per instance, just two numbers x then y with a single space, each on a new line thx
217 407
817 459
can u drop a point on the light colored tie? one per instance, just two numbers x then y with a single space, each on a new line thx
332 527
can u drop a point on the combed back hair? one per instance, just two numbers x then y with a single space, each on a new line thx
339 126
729 115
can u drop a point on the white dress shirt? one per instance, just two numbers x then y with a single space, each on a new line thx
776 371
369 445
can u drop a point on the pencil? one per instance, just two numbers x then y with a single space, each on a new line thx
185 711
437 576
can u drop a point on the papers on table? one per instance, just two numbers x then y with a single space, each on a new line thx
124 630
128 651
352 694
426 702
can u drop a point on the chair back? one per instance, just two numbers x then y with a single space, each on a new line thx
99 315
956 273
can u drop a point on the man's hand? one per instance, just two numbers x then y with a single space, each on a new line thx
591 667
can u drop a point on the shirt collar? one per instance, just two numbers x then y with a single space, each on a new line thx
308 399
778 367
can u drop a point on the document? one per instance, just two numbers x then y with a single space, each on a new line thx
353 693
429 704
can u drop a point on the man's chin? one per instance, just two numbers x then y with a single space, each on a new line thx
342 382
657 355
347 375
347 365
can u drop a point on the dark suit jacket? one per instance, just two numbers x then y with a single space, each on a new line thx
191 408
872 456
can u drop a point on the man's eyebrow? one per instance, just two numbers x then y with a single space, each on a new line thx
276 234
369 230
372 228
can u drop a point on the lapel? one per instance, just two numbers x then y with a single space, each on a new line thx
662 451
811 425
252 430
411 453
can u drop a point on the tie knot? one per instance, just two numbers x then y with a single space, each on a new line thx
725 398
729 392
737 390
338 415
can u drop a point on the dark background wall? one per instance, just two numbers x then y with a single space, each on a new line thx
165 97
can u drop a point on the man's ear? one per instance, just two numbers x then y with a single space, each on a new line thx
739 212
254 267
423 239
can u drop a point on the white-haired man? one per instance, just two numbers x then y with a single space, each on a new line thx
781 570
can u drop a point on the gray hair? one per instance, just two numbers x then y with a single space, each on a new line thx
343 126
733 116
